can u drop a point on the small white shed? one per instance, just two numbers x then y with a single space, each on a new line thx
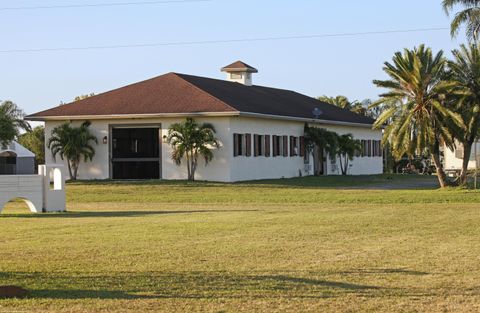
15 159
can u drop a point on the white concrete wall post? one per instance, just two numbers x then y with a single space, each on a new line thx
54 198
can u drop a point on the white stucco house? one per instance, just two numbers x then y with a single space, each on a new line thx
260 128
453 159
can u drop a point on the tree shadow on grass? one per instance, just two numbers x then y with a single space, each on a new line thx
189 285
87 294
76 214
381 181
288 280
386 271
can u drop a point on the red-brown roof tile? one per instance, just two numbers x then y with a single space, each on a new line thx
168 93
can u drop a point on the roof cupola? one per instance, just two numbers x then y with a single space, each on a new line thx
240 72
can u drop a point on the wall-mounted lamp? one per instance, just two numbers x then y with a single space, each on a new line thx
105 140
165 139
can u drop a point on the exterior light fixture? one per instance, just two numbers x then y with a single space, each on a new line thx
165 139
105 140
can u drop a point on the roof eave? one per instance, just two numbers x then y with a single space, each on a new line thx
307 120
41 118
196 114
239 70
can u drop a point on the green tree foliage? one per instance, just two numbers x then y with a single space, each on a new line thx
11 122
72 143
469 16
339 101
347 148
81 97
319 141
343 147
190 140
419 118
34 141
344 103
359 107
463 85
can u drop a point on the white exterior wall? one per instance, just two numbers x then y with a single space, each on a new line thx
99 167
224 167
261 167
454 163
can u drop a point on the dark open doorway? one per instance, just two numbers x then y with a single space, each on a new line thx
135 153
8 163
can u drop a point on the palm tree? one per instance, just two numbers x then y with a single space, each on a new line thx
11 121
470 16
72 143
464 89
339 101
418 116
344 103
190 140
346 150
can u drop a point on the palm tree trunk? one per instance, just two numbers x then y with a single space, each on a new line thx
194 168
188 165
442 178
69 169
194 164
467 149
346 166
75 170
341 164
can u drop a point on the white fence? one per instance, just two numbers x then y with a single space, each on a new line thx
44 192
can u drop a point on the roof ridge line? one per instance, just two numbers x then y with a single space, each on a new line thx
206 92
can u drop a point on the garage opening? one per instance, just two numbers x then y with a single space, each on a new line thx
136 153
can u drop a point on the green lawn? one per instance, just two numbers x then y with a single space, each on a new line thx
310 244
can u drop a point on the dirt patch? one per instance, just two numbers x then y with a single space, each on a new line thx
12 292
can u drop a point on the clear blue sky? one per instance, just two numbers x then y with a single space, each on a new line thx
330 66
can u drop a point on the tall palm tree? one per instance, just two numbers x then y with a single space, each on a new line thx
11 121
190 140
464 89
470 17
419 119
73 144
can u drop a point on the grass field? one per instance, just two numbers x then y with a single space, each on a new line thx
311 244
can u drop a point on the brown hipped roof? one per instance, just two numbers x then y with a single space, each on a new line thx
186 94
239 66
168 93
